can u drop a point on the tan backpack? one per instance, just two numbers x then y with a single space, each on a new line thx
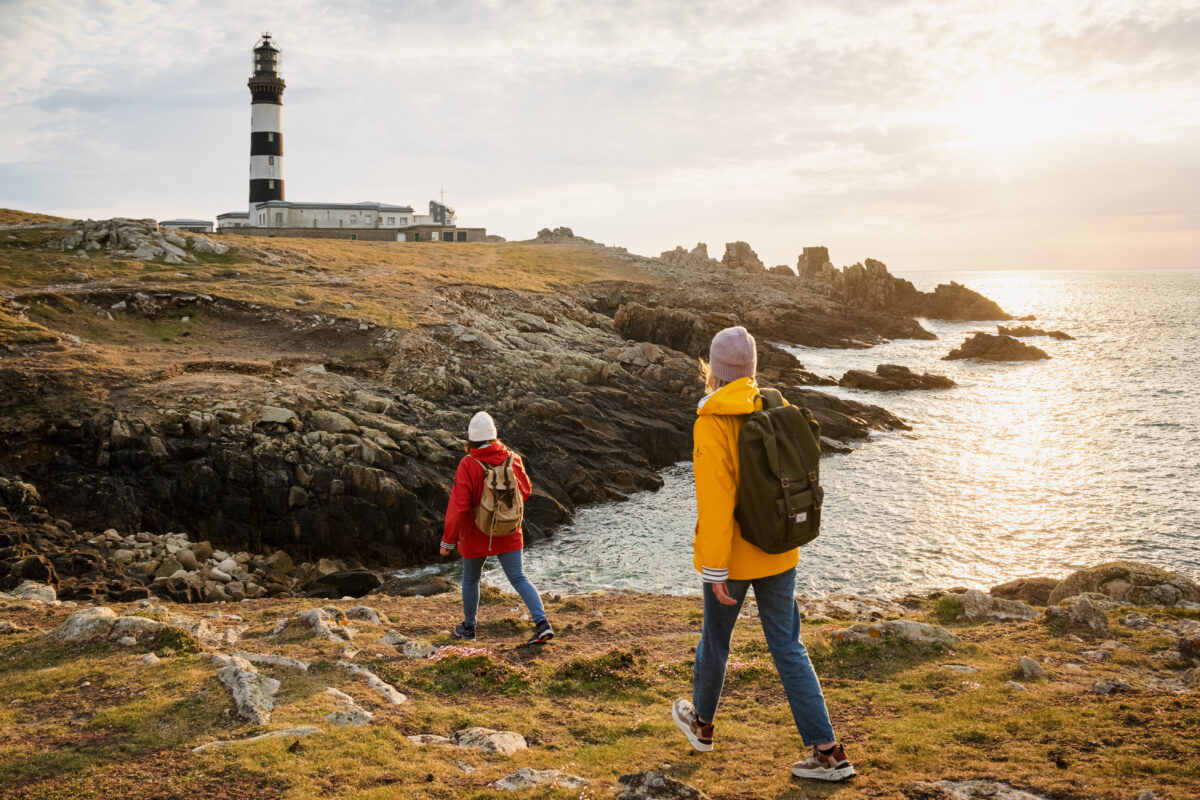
501 506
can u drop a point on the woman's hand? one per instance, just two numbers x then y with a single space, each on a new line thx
721 590
443 551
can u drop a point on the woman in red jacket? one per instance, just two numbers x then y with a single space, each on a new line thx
474 545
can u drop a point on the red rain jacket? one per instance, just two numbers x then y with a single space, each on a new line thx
461 531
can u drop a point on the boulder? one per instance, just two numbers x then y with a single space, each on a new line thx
1189 648
350 582
277 416
86 625
410 648
901 629
375 682
28 590
893 378
848 606
1137 621
970 790
651 785
986 347
331 422
978 605
272 660
1129 582
253 693
422 739
416 587
1083 612
1034 591
136 627
202 244
366 614
1111 686
527 778
1031 669
349 712
326 622
489 741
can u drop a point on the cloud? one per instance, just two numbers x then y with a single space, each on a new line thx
898 125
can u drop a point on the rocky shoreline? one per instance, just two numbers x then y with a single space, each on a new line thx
259 424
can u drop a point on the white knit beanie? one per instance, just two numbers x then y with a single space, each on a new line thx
482 428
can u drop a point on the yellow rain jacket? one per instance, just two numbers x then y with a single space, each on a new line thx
720 551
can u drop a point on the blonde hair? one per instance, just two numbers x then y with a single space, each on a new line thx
711 381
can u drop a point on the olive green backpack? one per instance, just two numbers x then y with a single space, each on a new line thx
779 493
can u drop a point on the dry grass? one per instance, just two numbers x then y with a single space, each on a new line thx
12 216
594 703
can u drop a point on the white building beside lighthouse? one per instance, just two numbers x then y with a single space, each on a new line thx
270 214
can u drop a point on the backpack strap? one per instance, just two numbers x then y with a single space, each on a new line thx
772 398
789 425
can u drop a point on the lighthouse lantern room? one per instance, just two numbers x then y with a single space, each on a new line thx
266 125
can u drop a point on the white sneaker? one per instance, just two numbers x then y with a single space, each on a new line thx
700 736
819 766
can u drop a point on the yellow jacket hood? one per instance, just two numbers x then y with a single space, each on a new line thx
733 399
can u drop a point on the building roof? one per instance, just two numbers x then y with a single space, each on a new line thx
185 222
364 206
245 214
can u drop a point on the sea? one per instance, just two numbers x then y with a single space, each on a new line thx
1023 469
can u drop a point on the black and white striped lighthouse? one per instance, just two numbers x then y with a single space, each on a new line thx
266 128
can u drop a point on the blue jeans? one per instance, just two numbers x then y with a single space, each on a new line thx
780 619
511 564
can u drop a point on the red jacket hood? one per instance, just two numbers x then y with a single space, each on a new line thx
495 454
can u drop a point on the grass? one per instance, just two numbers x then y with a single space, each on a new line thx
12 216
90 722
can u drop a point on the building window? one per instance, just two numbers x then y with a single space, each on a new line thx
353 219
340 223
270 184
279 218
366 220
270 137
447 236
314 223
271 161
391 221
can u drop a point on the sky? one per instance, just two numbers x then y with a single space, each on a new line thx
929 134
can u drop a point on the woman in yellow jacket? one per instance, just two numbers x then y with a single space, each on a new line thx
729 565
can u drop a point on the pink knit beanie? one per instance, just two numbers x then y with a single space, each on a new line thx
732 354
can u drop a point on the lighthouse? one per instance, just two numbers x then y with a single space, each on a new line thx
266 128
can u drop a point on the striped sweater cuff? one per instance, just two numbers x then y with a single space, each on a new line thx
710 575
448 545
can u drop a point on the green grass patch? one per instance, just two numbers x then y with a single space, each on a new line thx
475 674
946 610
613 672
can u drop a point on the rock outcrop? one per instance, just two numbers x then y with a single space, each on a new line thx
986 347
1131 582
1027 330
870 285
893 378
740 257
1034 591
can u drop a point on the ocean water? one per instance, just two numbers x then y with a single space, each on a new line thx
1032 468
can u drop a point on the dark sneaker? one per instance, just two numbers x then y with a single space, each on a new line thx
700 736
831 766
465 631
542 633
